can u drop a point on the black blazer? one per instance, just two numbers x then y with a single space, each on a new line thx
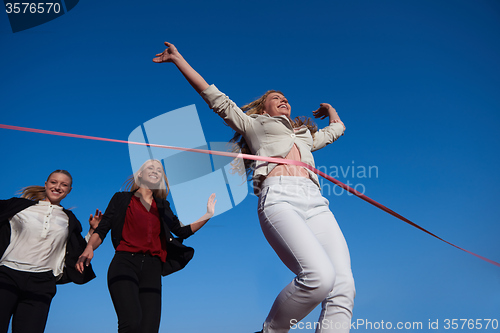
178 255
74 246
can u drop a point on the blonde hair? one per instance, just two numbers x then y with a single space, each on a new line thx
133 183
257 107
36 192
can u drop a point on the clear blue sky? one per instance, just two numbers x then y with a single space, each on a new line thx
416 82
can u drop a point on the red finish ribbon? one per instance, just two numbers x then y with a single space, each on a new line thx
257 158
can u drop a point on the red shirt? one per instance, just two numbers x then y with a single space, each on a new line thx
142 230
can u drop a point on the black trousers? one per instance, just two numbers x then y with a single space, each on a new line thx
25 297
134 283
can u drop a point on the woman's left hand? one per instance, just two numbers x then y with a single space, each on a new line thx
196 225
94 220
211 204
326 110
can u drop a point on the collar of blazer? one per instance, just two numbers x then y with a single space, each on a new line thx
159 202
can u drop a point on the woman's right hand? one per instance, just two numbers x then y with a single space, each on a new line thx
94 220
172 55
169 55
84 259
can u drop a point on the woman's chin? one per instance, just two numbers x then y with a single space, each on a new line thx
152 184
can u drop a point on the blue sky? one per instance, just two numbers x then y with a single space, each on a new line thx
415 82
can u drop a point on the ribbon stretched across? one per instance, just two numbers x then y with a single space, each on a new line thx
257 158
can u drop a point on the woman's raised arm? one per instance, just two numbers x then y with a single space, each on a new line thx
196 225
171 54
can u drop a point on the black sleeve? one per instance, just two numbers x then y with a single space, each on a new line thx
174 224
107 218
7 207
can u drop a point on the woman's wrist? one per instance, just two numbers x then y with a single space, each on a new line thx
177 59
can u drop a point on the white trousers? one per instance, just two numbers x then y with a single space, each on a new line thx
300 227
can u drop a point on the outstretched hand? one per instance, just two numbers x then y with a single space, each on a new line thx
84 259
168 55
325 110
211 204
196 225
94 220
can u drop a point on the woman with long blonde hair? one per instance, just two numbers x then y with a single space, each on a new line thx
40 242
294 216
141 224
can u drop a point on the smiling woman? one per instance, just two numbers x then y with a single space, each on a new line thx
141 224
294 216
276 104
58 186
40 242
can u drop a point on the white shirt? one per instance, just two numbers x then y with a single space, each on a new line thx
38 239
271 136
